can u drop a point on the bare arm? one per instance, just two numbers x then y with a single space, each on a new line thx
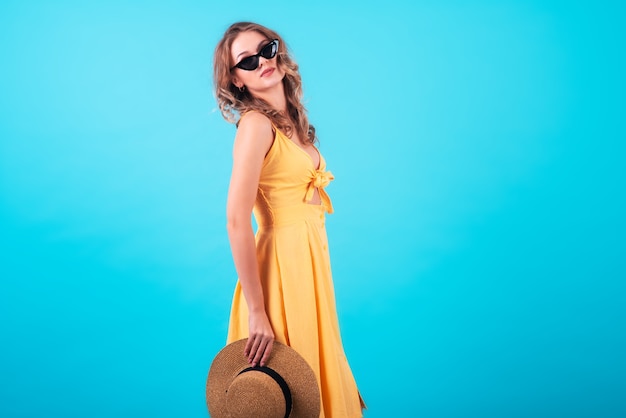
253 140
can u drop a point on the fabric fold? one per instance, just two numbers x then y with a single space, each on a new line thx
319 180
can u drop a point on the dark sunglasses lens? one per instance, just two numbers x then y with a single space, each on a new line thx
252 62
269 50
249 63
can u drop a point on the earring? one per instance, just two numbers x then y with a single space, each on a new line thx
242 88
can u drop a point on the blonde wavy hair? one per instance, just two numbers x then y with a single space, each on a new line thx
233 103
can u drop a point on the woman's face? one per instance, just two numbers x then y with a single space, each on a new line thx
266 76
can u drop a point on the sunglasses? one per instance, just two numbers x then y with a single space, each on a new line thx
252 62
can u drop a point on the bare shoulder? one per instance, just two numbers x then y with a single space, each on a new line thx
255 117
256 129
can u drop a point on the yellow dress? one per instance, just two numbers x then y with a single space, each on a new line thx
294 265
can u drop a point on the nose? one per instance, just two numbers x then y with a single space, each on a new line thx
262 61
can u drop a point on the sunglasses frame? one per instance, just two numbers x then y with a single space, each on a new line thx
256 56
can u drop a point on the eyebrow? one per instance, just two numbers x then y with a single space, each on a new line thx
258 47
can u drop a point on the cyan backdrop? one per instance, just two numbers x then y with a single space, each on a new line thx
478 242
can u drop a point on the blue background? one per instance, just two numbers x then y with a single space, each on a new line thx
478 241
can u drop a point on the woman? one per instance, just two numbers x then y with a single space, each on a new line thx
285 290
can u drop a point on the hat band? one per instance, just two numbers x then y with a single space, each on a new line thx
278 379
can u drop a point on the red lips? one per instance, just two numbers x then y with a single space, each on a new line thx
267 72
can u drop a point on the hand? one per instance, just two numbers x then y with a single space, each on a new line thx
260 340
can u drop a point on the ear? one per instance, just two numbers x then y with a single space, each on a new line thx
237 82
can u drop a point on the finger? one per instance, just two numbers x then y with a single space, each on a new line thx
248 347
259 352
268 351
254 349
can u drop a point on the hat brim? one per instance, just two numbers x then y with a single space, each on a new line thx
296 372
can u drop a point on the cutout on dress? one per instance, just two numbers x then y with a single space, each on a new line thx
316 199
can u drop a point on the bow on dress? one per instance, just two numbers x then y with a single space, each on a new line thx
319 180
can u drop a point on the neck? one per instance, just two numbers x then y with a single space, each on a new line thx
274 97
278 102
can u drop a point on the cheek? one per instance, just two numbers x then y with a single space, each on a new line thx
246 77
241 78
281 70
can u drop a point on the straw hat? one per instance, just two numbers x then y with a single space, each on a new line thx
285 387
